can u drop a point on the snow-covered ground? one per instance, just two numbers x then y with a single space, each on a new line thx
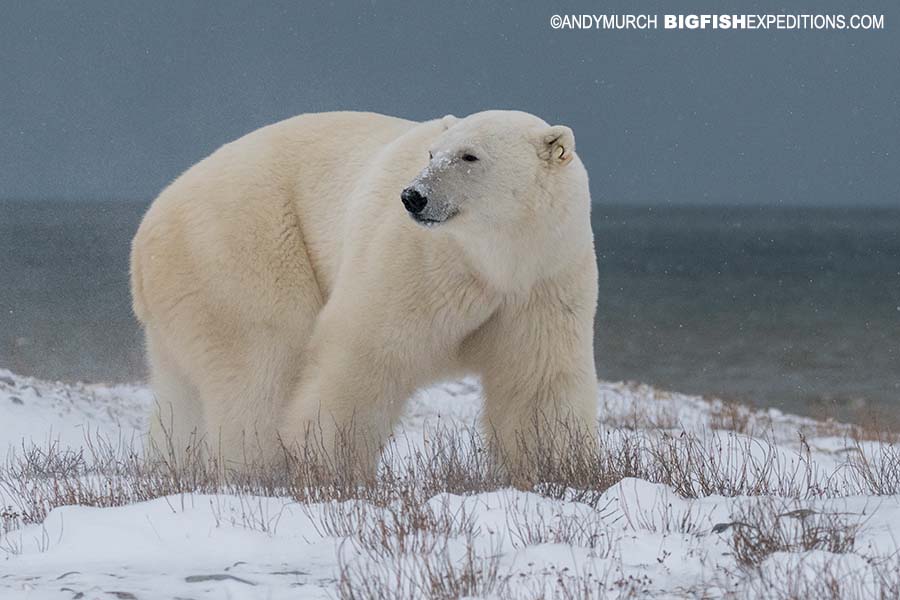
725 502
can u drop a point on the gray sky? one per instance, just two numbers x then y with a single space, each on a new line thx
114 99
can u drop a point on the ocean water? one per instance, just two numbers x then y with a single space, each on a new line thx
793 308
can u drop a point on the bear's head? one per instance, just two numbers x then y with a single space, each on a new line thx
497 170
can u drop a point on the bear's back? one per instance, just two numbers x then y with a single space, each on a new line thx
260 200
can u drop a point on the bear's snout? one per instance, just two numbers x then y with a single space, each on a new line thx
413 200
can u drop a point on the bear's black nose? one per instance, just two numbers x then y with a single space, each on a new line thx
413 200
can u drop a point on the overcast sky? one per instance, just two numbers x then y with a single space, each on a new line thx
114 99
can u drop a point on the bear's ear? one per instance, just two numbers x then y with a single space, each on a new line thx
556 144
449 121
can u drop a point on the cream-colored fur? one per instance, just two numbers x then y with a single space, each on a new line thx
281 282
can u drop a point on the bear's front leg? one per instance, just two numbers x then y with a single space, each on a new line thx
536 361
347 401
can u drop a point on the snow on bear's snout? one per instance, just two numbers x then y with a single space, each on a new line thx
425 198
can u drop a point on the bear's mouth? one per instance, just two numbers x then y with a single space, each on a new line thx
431 222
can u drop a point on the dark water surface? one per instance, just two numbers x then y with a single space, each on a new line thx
794 308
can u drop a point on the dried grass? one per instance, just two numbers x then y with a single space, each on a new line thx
766 526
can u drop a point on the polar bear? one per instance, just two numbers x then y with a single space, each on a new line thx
315 273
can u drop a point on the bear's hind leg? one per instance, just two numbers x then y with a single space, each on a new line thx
176 427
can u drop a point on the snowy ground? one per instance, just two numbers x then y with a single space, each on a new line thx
726 502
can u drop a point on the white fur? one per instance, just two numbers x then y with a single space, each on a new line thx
281 282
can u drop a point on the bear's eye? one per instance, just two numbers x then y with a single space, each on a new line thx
430 156
469 157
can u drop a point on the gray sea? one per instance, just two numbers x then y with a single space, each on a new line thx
793 308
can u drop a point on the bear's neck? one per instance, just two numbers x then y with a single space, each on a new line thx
514 263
